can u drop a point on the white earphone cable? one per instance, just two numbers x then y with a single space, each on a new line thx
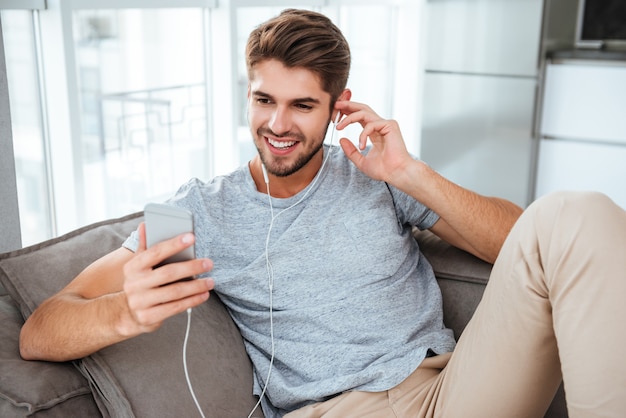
268 264
270 278
193 394
270 281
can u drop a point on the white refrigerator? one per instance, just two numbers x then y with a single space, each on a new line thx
479 93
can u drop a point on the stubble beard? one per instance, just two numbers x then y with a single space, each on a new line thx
278 166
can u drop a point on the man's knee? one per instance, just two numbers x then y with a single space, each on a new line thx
581 199
572 205
562 221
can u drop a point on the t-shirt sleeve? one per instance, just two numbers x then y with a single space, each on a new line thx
132 242
411 211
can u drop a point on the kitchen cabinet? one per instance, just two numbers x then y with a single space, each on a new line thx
582 143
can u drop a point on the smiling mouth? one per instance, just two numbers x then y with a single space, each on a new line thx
281 145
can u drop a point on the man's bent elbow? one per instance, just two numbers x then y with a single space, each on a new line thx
28 350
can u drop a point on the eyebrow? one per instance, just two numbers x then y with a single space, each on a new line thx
310 100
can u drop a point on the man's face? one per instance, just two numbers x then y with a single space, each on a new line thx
288 114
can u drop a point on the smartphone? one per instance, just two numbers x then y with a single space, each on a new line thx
164 222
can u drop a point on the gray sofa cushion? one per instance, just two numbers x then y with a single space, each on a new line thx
142 376
461 277
33 274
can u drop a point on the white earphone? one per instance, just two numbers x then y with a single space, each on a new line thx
270 277
270 271
267 180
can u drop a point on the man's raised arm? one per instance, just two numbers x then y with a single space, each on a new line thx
475 223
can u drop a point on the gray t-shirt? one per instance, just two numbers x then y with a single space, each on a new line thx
355 304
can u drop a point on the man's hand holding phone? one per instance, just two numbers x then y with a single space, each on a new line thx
154 285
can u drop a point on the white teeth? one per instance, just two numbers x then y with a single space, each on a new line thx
281 144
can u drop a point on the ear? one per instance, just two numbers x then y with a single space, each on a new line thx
344 96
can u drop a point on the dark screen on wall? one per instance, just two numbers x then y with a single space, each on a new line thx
603 20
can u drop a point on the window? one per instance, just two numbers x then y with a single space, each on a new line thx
135 97
142 95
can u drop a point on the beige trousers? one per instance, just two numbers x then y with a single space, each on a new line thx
555 307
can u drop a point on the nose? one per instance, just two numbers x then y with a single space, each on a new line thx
280 121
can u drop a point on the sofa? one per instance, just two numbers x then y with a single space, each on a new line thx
144 376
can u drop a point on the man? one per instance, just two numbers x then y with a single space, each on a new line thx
340 312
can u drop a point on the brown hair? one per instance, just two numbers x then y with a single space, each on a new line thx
306 39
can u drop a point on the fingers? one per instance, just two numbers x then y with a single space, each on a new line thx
160 303
155 294
351 152
142 237
360 113
388 153
155 255
141 267
355 112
